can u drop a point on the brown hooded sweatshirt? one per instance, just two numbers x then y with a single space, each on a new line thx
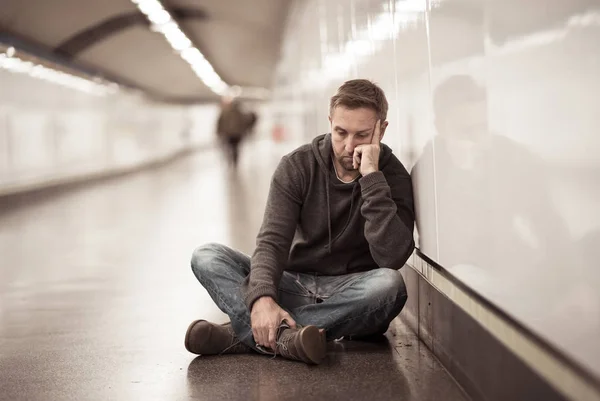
314 223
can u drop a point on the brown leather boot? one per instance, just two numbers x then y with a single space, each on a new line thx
206 338
306 344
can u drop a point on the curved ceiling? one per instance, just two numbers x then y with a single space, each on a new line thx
241 39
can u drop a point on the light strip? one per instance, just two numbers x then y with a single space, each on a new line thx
12 63
544 37
161 21
368 40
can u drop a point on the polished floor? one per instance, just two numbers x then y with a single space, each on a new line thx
96 293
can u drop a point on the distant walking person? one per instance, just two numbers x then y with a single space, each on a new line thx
232 126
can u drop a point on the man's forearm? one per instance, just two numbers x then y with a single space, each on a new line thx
390 237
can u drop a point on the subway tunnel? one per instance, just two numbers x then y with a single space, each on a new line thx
114 169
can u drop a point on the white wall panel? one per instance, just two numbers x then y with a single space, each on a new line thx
494 108
31 134
3 143
49 133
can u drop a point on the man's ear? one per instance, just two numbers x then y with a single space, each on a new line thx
383 127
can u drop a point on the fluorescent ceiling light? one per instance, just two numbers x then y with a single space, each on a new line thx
161 21
192 55
159 17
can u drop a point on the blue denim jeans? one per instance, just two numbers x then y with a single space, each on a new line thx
352 305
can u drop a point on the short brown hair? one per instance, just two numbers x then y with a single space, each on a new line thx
358 93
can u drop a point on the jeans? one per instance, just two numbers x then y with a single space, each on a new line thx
351 305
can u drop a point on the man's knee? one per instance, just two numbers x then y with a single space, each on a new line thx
386 284
203 256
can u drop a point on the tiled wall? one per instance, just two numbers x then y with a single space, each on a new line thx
494 106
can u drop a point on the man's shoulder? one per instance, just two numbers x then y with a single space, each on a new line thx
302 155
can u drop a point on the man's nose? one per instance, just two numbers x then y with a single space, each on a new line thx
350 145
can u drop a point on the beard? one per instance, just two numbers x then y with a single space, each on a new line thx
346 162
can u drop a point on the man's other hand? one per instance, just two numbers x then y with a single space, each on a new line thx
265 318
366 156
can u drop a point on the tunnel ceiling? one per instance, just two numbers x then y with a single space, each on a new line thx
240 38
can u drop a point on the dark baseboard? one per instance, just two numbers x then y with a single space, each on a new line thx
480 362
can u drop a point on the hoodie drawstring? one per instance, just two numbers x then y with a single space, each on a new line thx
328 211
322 149
356 186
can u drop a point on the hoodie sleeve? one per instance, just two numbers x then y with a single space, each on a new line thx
389 213
276 234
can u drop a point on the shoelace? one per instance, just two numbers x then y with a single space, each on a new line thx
282 344
238 342
233 344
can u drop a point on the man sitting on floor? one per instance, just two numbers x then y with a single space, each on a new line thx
338 224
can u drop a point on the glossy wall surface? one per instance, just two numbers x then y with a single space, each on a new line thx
494 108
49 133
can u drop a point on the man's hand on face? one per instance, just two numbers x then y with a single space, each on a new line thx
265 318
366 157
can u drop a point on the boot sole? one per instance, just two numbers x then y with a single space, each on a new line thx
313 344
187 334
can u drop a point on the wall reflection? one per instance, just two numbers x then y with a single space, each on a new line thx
497 226
495 104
